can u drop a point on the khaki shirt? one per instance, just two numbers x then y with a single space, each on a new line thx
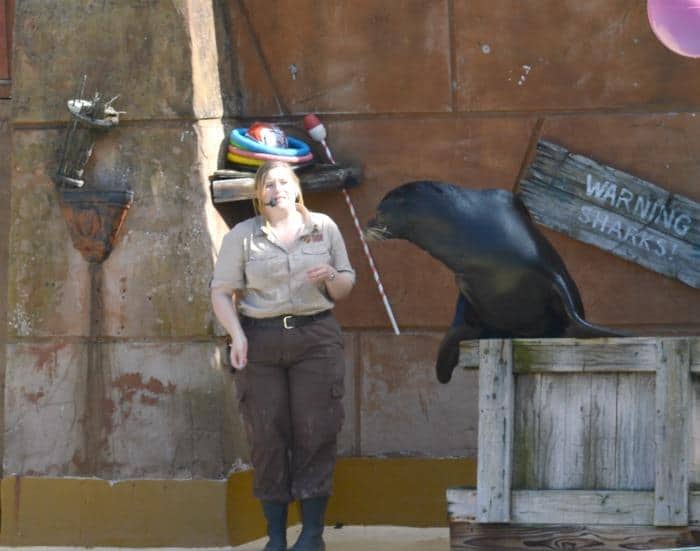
269 279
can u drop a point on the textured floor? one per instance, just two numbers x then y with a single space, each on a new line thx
372 538
350 538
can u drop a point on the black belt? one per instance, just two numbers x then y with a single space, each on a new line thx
286 322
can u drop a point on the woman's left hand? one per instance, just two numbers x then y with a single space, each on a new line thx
321 273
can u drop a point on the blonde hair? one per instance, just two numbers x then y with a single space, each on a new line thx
262 173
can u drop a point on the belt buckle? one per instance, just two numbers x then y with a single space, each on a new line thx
284 322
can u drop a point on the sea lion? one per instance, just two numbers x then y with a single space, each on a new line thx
512 282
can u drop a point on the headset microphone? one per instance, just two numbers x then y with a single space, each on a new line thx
271 203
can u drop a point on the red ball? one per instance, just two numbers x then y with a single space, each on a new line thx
267 134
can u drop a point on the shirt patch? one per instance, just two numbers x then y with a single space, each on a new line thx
314 237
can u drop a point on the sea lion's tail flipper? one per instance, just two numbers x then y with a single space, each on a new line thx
578 326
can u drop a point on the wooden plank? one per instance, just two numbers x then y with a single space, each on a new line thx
695 355
606 507
496 405
602 434
320 178
526 432
484 537
635 420
583 507
461 504
233 189
694 467
5 34
694 509
615 234
629 354
672 432
468 355
614 190
614 211
562 447
584 355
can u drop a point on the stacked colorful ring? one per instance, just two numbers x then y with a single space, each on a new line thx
269 157
245 161
249 153
240 140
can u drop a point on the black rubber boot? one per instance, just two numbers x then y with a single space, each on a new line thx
313 511
276 516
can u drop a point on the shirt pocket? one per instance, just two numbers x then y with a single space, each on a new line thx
264 270
313 254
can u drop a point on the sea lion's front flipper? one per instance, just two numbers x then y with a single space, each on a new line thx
448 353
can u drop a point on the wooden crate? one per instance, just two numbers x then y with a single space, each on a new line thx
583 443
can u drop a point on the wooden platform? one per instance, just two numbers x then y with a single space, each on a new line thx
486 537
591 442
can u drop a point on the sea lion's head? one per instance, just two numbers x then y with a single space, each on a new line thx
402 210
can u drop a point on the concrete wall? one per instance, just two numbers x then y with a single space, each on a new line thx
4 229
145 397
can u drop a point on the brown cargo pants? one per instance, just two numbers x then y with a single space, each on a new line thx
290 397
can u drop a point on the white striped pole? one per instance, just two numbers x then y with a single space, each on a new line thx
318 132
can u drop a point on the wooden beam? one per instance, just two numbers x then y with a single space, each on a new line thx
228 185
694 509
485 537
496 415
468 355
695 355
672 432
599 507
233 189
610 355
602 507
605 355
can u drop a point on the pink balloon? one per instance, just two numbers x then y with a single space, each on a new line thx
676 23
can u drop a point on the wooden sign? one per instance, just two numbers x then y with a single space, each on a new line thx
615 211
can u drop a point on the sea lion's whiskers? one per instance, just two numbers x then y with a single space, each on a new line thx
377 233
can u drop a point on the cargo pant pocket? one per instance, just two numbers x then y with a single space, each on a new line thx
338 416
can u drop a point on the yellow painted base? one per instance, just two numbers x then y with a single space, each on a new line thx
397 491
92 512
210 513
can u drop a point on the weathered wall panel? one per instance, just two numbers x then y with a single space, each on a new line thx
564 54
157 56
156 282
45 408
343 57
5 148
405 411
153 401
48 279
162 414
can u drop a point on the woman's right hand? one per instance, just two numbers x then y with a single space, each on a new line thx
239 351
